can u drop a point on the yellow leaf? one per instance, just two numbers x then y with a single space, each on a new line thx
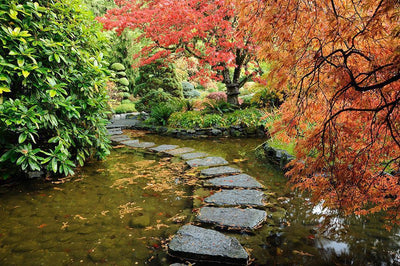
52 93
4 89
25 73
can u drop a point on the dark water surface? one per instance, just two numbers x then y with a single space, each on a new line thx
122 210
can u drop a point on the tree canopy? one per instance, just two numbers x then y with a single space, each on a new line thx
341 61
205 30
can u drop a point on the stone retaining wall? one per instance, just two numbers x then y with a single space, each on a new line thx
276 156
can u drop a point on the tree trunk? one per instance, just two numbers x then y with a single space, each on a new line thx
232 92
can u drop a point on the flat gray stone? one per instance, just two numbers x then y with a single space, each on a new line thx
164 148
196 243
208 161
237 197
193 155
233 218
142 144
131 143
114 131
119 138
235 181
221 170
179 151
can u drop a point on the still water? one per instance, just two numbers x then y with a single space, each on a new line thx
122 211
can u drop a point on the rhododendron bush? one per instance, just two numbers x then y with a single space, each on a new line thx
341 61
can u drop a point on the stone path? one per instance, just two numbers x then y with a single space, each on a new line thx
234 202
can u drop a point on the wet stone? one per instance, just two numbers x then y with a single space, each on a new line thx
114 131
142 144
208 161
233 218
119 138
179 151
162 148
237 197
196 243
193 155
221 170
235 181
131 143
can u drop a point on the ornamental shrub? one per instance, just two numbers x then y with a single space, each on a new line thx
51 84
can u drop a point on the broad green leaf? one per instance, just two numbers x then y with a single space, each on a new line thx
22 138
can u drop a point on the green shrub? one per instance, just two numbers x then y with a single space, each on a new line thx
213 120
51 83
160 113
191 119
125 107
123 81
123 89
218 107
250 117
122 74
157 83
189 91
152 98
125 101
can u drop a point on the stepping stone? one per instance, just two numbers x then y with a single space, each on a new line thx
233 218
235 181
131 143
114 131
208 161
179 151
221 170
120 138
141 144
164 148
193 155
196 243
237 197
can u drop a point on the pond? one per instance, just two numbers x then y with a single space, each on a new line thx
123 210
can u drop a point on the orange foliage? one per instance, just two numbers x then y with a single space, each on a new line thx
341 60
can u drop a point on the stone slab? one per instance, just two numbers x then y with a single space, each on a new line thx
221 170
131 143
164 147
237 197
235 181
114 131
120 138
208 161
196 243
232 218
142 144
179 151
193 155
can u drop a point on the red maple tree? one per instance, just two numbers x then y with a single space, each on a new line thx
341 61
201 29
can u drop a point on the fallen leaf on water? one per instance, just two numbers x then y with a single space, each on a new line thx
104 213
65 225
79 217
302 253
42 225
